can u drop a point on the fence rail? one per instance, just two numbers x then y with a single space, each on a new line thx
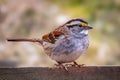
74 73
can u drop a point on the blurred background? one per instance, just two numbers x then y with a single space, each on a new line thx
34 18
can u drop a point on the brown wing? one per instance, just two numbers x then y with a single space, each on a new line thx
51 37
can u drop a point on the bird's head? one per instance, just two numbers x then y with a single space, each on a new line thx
78 26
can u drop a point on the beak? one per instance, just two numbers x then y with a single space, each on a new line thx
89 27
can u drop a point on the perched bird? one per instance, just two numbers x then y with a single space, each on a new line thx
66 43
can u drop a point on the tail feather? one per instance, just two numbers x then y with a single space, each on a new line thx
23 39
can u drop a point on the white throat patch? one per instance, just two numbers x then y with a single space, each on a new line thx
84 32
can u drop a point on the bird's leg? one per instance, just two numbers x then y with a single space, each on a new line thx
78 65
60 65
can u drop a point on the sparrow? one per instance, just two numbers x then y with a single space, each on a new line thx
66 43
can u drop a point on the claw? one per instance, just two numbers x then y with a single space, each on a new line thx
60 65
78 65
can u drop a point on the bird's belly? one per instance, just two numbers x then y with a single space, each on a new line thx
69 57
68 52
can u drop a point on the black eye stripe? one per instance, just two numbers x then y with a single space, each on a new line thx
70 26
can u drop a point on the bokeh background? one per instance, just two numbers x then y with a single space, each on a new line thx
34 18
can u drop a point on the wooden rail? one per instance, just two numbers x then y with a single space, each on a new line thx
74 73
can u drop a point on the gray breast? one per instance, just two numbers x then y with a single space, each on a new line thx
69 45
68 50
65 46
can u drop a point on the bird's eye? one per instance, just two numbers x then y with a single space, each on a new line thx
80 25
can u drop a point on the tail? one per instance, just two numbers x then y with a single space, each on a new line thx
23 40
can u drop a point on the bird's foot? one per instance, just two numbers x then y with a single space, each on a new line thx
78 65
60 65
75 64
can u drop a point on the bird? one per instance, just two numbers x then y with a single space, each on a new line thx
66 43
